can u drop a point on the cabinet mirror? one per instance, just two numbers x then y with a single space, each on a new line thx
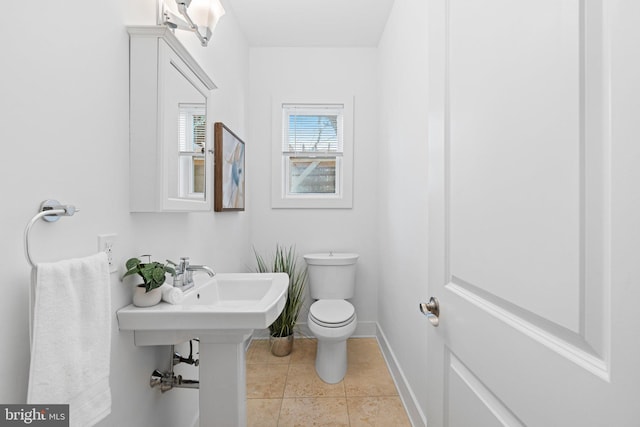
171 146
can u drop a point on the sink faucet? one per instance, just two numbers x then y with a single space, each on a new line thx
183 278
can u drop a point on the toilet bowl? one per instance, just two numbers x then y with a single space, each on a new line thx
332 322
332 319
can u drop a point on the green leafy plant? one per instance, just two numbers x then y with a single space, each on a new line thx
286 261
152 272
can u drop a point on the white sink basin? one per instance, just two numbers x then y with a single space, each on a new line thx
228 301
235 290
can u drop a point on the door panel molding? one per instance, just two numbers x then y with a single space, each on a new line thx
480 406
582 333
567 344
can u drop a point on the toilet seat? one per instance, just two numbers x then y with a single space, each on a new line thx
332 313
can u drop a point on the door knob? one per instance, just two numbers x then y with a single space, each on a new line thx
431 309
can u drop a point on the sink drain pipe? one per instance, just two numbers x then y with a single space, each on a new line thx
168 380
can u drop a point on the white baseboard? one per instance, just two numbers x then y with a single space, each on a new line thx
409 400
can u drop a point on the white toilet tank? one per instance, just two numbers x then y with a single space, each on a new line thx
331 275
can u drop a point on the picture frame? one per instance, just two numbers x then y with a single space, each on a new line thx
229 194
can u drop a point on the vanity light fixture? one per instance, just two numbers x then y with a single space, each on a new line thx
197 16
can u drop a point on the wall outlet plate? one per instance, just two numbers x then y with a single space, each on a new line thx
106 243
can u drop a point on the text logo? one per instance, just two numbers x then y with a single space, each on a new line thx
34 415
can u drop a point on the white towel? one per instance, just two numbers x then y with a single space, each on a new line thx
171 294
71 347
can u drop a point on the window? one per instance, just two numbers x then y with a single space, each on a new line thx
312 148
314 153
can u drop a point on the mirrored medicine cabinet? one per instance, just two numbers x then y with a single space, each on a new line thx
170 151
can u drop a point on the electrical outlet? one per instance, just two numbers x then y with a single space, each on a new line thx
106 243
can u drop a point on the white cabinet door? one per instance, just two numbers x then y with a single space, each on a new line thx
171 139
534 218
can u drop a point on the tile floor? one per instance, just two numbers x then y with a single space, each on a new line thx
286 391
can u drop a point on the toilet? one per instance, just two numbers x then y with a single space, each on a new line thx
332 319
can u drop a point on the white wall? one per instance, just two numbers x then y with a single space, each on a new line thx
314 72
402 201
64 133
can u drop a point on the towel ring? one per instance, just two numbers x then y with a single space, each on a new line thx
50 211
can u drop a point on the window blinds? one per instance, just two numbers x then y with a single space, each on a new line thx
192 129
312 129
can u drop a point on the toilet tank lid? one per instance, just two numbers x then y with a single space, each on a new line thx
331 258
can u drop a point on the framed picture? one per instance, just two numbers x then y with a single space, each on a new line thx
228 170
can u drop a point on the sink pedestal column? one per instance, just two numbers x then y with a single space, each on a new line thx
223 383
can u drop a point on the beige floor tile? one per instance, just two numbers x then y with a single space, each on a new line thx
266 380
364 350
377 412
307 412
263 412
303 381
304 350
260 352
288 392
369 379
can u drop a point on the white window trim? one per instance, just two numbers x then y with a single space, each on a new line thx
279 198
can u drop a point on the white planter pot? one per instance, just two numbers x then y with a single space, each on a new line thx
146 299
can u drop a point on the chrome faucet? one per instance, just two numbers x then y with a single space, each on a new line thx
183 279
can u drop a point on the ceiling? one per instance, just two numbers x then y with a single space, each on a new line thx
296 23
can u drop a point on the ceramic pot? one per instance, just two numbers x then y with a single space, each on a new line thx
146 299
281 346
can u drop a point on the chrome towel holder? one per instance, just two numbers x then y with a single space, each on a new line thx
50 211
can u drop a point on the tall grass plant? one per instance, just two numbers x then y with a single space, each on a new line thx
285 260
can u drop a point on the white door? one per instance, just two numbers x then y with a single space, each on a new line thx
534 218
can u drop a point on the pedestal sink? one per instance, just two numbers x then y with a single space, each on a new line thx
222 313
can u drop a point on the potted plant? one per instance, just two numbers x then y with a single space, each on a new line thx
153 276
281 330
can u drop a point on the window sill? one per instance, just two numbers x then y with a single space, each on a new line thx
312 203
